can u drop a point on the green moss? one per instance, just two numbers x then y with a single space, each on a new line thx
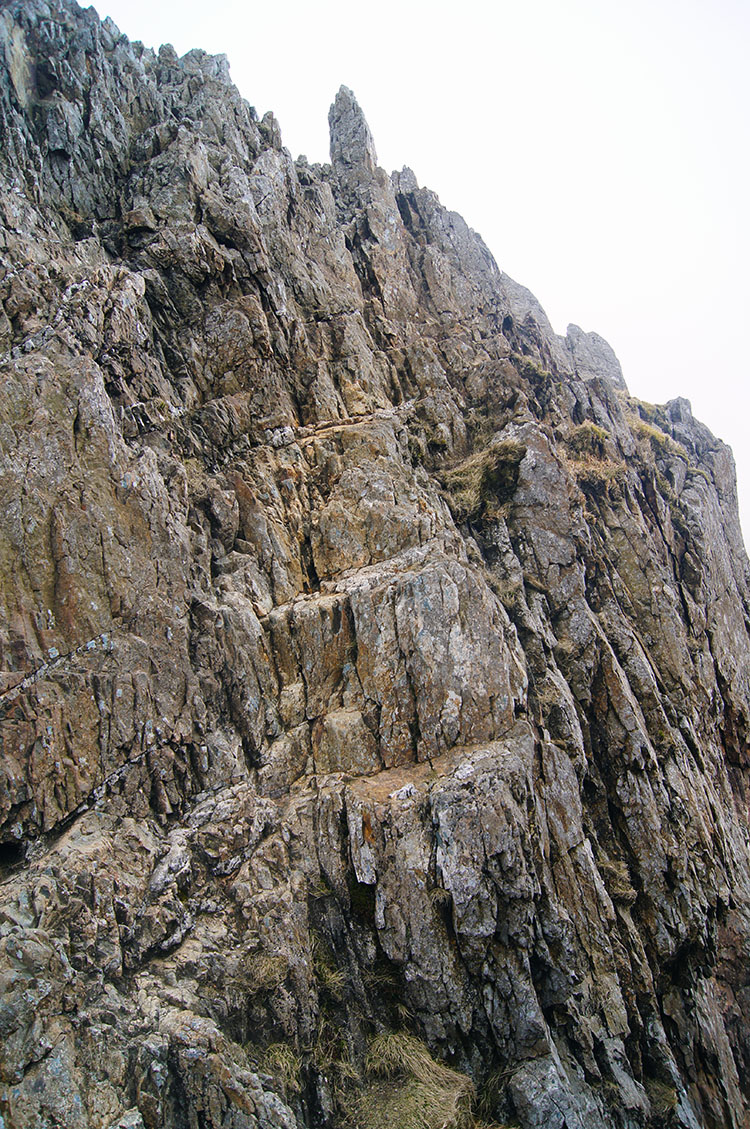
649 422
664 486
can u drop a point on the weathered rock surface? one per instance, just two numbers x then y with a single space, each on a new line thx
371 661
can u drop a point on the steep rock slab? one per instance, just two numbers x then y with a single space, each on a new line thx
370 659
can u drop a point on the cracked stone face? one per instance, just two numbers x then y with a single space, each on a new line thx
370 661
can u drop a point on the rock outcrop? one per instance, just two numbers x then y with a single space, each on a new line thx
375 670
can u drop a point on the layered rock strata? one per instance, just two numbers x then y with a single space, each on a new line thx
371 661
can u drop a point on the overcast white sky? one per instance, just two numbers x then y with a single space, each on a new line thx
600 148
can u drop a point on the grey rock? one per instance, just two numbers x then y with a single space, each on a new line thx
370 661
594 357
352 147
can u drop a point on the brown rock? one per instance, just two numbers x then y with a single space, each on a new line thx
369 659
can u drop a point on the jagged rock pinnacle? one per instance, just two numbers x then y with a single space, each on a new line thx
352 148
593 356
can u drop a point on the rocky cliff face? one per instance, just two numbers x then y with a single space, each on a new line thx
375 670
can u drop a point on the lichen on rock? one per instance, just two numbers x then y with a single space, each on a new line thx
374 670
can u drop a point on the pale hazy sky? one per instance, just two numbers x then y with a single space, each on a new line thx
600 148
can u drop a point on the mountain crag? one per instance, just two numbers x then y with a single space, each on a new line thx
374 670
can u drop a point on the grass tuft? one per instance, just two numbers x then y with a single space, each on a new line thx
597 474
332 1058
588 460
280 1061
485 480
616 875
587 439
266 971
663 1097
330 977
661 443
411 1090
